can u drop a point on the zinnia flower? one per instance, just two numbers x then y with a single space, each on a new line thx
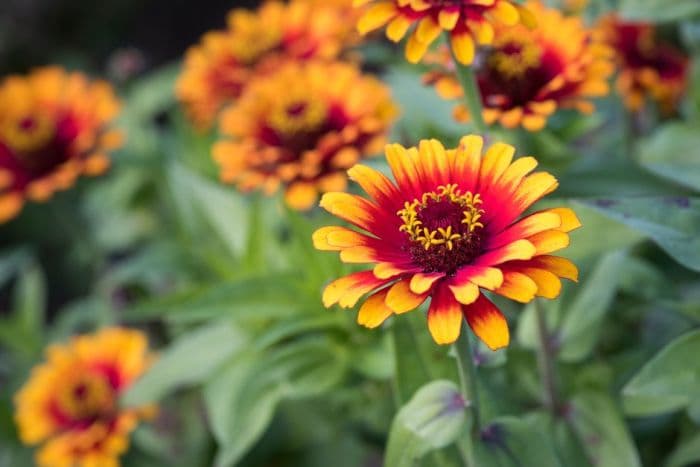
648 67
303 127
216 70
528 74
70 404
449 226
468 22
54 126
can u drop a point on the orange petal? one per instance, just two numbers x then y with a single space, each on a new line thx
374 311
569 219
346 291
562 267
376 17
517 286
444 317
421 282
463 47
488 323
301 196
520 249
549 241
488 278
465 292
401 299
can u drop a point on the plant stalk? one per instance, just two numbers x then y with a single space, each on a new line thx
472 95
468 384
546 362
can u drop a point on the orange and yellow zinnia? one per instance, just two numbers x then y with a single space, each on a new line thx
450 226
303 127
70 405
467 22
528 74
648 67
217 70
54 127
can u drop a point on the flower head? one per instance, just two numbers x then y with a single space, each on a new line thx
54 126
648 67
71 402
468 22
451 225
528 74
221 65
303 127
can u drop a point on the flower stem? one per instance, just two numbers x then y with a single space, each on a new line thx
467 373
468 383
545 361
472 95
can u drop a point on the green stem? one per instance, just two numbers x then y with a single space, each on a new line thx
467 372
468 383
472 95
546 363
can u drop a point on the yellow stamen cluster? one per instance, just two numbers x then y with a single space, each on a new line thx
447 236
25 135
297 112
515 64
88 395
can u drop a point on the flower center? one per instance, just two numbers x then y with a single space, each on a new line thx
514 55
87 397
443 228
252 39
297 114
27 133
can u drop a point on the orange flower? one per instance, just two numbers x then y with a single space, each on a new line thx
303 126
216 70
467 22
648 67
529 73
71 402
54 126
449 226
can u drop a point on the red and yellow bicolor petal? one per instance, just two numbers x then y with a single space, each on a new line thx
468 23
301 128
223 63
449 228
648 67
528 74
70 404
55 126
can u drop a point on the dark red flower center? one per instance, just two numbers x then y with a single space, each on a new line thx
82 401
443 229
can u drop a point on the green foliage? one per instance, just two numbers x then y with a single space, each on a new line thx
433 419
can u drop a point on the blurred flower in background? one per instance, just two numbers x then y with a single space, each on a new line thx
649 67
70 404
302 127
527 74
446 229
468 22
217 70
54 127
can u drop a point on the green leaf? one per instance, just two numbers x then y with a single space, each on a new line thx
241 399
432 419
602 432
686 453
240 402
584 315
669 382
672 222
673 152
658 10
516 442
189 360
220 206
30 300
